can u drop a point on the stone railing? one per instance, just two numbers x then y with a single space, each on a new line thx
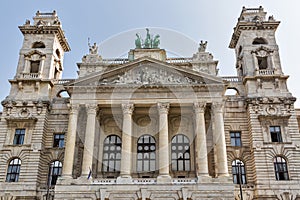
30 75
266 72
62 81
144 181
104 181
232 78
184 180
115 61
178 60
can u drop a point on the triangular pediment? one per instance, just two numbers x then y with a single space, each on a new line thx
148 71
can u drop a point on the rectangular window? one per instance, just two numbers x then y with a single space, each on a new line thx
235 139
59 140
275 132
35 65
19 136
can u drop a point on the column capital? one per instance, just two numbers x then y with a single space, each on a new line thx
163 107
217 107
199 107
127 108
73 108
91 108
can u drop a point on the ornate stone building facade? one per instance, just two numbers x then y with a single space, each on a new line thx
149 126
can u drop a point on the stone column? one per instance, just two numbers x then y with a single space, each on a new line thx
163 109
70 143
41 68
26 65
219 139
256 72
126 140
200 143
88 151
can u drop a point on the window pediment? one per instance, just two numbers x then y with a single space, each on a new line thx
262 51
34 52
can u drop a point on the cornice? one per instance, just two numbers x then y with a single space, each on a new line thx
242 26
57 30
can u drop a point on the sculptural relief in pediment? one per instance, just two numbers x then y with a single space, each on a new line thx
148 74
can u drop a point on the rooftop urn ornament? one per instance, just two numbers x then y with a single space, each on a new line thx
148 43
202 47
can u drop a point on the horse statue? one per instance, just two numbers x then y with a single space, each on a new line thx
147 43
138 41
156 42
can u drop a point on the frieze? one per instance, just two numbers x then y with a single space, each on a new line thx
272 106
150 75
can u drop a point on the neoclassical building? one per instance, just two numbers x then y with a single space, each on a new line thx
150 126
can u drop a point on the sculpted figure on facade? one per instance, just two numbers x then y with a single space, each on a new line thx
148 43
93 49
202 47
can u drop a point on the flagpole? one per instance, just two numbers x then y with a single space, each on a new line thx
240 178
49 182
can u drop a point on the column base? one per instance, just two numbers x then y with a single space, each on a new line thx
161 179
224 178
84 179
65 180
124 179
204 179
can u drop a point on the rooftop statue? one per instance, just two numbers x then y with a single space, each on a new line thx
93 49
148 43
202 47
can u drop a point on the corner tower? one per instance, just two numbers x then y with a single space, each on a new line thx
41 56
257 54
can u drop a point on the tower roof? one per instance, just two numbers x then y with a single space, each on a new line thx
252 19
46 23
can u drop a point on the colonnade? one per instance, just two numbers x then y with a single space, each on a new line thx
201 160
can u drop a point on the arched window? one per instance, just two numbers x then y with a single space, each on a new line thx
180 153
38 45
13 170
63 94
238 172
259 41
281 170
111 154
146 154
55 170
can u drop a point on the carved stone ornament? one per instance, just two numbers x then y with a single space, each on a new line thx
163 108
150 75
127 108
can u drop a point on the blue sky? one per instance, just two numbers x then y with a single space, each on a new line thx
194 20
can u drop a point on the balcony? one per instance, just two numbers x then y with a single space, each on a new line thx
266 72
30 76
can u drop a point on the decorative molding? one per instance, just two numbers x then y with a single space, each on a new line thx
127 108
163 108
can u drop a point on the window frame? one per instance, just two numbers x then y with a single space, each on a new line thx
116 161
278 133
146 148
57 141
55 171
281 169
13 170
235 170
35 66
235 138
19 136
179 149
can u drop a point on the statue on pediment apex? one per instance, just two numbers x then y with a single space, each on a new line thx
148 43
